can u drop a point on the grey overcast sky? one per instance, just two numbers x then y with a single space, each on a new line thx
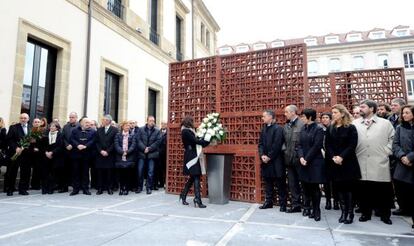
250 21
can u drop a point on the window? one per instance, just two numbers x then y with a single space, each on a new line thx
225 50
310 41
401 33
203 31
111 96
154 36
39 80
354 37
178 37
259 46
277 44
312 67
358 62
242 48
331 40
115 6
334 65
383 61
152 102
408 60
410 87
208 39
377 35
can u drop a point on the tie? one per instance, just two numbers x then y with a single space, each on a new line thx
368 122
25 129
106 129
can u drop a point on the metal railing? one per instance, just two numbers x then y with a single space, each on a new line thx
154 36
116 7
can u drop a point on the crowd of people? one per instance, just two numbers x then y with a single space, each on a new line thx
362 160
82 154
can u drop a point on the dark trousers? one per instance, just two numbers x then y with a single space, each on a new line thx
294 186
124 177
312 196
376 195
80 174
48 175
330 191
36 170
94 174
61 177
281 190
104 178
405 196
115 179
160 169
66 175
11 174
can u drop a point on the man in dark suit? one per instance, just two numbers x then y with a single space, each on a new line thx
271 157
105 137
67 133
162 161
16 133
148 140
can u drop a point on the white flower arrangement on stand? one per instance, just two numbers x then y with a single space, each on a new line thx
211 130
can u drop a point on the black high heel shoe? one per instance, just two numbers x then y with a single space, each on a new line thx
183 198
199 203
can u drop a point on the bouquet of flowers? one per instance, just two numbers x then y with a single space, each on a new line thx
25 142
211 129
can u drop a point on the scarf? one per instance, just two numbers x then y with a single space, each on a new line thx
52 137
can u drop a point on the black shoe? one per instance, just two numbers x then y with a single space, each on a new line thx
350 219
121 192
328 205
343 218
311 215
183 198
23 193
139 190
74 192
149 191
199 203
294 210
386 220
364 218
306 212
400 212
10 193
86 192
282 209
99 192
336 205
317 216
266 205
110 192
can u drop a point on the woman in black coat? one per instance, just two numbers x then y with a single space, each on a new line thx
191 161
312 170
52 162
403 150
341 141
125 145
3 134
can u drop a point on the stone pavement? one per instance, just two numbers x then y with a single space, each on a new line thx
159 219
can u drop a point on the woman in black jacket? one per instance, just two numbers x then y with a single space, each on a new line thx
403 149
312 170
3 134
341 141
125 157
52 153
191 160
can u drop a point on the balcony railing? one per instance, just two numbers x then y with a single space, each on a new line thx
154 36
116 7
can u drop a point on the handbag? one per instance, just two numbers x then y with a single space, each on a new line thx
124 164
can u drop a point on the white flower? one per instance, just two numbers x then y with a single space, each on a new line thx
203 131
221 133
220 125
214 120
209 124
205 120
207 137
216 115
211 132
203 125
199 134
216 128
210 117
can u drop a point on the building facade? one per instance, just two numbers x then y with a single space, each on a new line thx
374 49
96 57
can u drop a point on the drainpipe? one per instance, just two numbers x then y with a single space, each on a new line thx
192 28
88 52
